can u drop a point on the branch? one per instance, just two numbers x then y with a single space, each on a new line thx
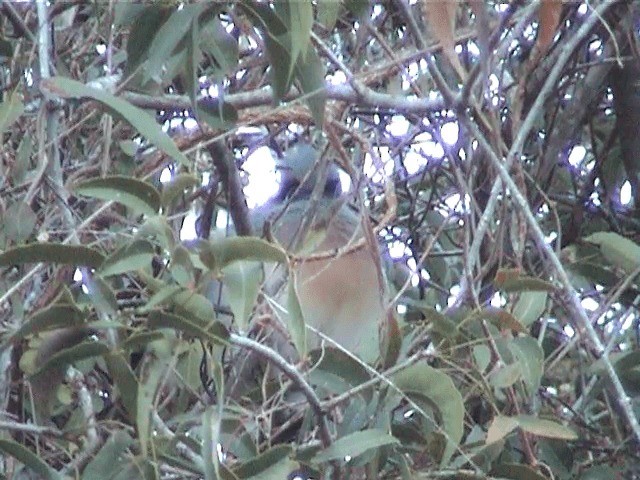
293 374
568 293
238 209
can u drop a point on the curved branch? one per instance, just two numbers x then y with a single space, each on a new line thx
293 374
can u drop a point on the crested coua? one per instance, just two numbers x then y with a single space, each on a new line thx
337 279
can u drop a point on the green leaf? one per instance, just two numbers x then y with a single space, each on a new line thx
277 43
217 254
274 464
295 319
125 381
517 472
176 187
530 307
181 266
426 385
151 376
617 250
134 256
110 458
19 221
311 74
531 359
220 45
328 11
500 318
194 305
166 39
336 372
128 147
101 295
500 427
73 354
52 253
216 113
545 428
29 459
144 123
159 231
56 316
139 196
210 437
242 280
482 357
355 444
510 280
10 110
506 375
146 24
215 332
161 297
299 18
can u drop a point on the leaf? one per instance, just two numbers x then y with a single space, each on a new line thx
56 316
181 266
242 281
10 110
68 356
125 381
482 357
530 307
176 187
328 11
506 375
531 358
110 457
274 464
215 332
19 231
617 250
502 319
517 472
422 383
139 196
311 74
144 123
217 254
549 20
545 428
29 459
150 378
276 43
194 305
441 17
355 444
300 18
295 318
216 113
134 256
143 32
336 372
500 427
167 38
510 280
220 45
75 255
161 297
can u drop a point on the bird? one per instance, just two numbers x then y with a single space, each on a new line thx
340 290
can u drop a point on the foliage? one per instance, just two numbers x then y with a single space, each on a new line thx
513 352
